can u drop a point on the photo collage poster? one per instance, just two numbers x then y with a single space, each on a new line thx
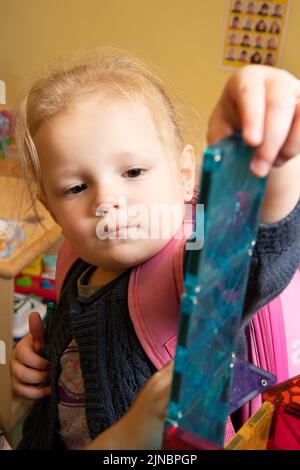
254 32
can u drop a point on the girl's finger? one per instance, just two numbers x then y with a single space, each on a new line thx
280 108
37 330
31 392
248 92
291 146
30 359
27 375
240 108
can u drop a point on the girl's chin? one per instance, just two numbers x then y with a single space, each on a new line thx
119 260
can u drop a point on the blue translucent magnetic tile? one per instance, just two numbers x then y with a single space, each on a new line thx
215 286
248 381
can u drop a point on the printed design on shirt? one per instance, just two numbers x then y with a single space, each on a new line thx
71 386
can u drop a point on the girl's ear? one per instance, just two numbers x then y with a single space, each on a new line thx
188 172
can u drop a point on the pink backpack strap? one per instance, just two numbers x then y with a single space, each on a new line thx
261 346
269 337
65 259
154 294
290 300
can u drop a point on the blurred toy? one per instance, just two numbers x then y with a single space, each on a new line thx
276 425
42 287
7 123
177 439
11 234
248 382
285 431
35 267
286 395
49 266
254 435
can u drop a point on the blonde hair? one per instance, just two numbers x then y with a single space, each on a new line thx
116 73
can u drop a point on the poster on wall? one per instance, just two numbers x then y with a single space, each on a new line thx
254 32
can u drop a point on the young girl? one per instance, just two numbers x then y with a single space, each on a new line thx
101 138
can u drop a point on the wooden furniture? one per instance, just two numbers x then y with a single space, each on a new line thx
15 203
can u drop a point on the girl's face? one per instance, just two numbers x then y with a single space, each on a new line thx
107 155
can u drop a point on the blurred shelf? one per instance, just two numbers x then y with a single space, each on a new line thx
15 203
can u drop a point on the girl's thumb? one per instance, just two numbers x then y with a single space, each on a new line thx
37 331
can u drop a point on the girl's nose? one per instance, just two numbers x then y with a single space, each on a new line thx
107 197
104 208
104 201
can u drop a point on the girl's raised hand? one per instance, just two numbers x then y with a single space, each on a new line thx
263 103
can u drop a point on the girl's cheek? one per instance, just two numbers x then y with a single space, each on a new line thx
74 223
66 219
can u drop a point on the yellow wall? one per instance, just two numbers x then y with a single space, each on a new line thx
181 36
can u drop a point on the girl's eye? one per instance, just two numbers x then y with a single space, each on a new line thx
77 189
134 173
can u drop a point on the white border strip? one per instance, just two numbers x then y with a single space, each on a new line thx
2 92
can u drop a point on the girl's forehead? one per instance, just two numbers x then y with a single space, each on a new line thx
107 110
102 127
100 115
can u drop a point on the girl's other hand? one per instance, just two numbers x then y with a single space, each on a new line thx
141 427
28 368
